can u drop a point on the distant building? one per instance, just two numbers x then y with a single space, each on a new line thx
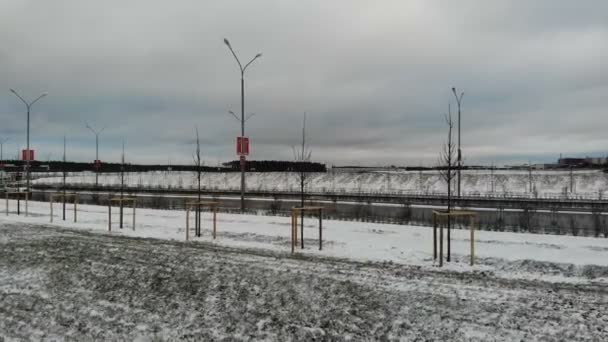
573 162
545 166
597 161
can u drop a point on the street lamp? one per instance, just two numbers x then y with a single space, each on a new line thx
242 119
97 133
458 101
27 154
2 142
238 119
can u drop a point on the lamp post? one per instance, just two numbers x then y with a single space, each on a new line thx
242 119
97 133
27 154
2 142
458 101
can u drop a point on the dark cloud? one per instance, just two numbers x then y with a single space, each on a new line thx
374 78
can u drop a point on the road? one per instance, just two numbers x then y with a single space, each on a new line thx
67 284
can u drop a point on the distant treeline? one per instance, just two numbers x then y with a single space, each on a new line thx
277 166
254 165
59 166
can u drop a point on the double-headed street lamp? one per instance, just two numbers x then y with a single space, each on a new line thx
242 119
458 101
28 105
97 162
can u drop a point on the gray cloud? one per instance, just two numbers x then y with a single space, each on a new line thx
374 78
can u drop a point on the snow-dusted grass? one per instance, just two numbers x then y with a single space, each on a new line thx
78 284
548 257
586 184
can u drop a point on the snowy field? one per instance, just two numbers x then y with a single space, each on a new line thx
585 183
370 282
506 254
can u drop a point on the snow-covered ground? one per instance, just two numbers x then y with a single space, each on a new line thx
511 255
585 183
77 281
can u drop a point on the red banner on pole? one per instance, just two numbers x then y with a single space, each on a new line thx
242 146
24 155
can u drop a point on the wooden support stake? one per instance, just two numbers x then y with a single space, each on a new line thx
293 243
134 206
187 222
214 221
434 236
302 228
440 245
320 229
472 240
110 216
75 208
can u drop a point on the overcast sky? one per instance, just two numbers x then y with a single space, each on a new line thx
375 78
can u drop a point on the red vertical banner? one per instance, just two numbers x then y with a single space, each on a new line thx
242 146
24 155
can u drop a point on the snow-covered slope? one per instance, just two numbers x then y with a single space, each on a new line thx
588 183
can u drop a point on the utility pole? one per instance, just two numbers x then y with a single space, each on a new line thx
242 119
122 181
28 105
97 133
459 102
2 142
197 160
64 174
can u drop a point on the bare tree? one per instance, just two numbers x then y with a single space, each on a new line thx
64 177
198 163
529 176
492 178
301 155
448 168
122 182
